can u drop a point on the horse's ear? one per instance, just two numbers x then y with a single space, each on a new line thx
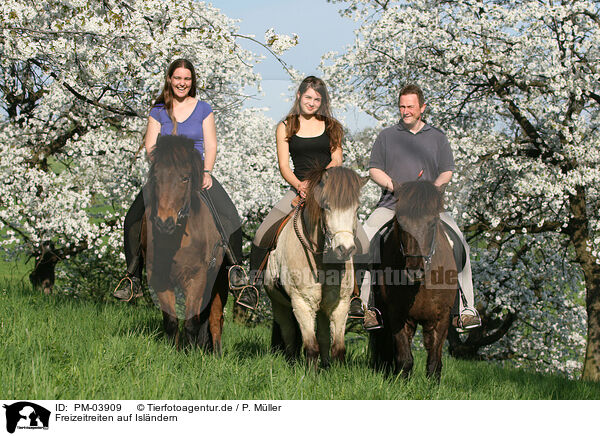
396 187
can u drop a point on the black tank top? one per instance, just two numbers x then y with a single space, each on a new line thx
309 153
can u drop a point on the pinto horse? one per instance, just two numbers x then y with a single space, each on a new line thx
309 276
184 253
415 281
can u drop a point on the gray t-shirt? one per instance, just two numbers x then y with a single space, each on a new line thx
402 155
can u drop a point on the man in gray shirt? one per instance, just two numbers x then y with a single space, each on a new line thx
411 150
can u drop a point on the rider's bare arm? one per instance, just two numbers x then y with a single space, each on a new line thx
283 157
336 158
443 179
381 178
152 131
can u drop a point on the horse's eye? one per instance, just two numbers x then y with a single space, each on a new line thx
185 179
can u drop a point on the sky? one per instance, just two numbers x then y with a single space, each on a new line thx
320 29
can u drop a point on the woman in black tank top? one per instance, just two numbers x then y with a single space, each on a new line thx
313 139
308 153
308 134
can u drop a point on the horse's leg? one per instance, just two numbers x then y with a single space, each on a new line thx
171 326
277 343
323 337
434 336
284 321
166 300
306 315
216 319
338 330
196 324
404 357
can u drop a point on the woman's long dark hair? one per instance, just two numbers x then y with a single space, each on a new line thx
166 96
332 126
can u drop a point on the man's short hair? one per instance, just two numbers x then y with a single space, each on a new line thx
412 89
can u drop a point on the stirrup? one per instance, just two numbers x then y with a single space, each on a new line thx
247 297
356 315
237 277
470 313
132 293
378 319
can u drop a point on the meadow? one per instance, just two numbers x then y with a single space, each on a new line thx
60 347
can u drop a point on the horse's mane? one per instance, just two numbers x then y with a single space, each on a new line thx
174 154
417 199
339 187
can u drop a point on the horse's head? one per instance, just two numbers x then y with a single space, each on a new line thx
333 200
175 175
418 208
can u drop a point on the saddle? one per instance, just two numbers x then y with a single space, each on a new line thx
382 235
272 235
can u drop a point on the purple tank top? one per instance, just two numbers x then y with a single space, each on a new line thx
190 128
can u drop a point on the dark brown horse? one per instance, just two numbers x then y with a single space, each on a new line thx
184 255
415 282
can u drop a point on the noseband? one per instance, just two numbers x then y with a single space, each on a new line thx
426 258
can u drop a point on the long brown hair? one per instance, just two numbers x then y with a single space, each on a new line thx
333 128
166 96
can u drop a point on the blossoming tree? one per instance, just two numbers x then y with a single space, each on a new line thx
77 79
516 86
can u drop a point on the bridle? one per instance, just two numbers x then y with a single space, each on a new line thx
426 258
327 234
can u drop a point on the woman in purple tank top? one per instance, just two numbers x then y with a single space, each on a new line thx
176 111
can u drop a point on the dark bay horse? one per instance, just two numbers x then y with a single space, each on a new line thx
184 255
415 281
310 276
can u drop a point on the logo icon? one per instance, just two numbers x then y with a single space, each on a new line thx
26 415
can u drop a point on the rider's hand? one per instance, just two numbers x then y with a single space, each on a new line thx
302 188
207 181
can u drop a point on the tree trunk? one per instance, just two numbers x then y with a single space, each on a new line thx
591 366
578 231
42 276
492 329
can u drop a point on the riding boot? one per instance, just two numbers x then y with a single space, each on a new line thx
258 255
247 295
130 286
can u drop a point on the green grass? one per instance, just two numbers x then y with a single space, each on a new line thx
60 348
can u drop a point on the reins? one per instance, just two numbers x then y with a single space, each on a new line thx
303 241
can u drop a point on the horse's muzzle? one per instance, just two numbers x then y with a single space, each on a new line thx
166 227
344 252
